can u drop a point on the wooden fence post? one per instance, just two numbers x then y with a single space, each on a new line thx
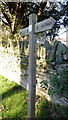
32 66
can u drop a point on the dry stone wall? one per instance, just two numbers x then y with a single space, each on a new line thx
56 53
11 67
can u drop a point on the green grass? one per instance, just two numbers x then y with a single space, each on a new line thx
14 103
14 100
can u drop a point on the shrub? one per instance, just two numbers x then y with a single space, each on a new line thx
48 110
59 83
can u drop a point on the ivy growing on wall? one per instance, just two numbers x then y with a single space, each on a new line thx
59 84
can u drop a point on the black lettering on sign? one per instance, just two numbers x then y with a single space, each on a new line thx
46 24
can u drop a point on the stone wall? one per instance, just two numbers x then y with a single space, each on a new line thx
14 61
57 52
13 68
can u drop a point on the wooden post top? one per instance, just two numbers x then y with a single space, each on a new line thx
39 27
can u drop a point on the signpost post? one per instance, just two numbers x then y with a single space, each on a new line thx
32 66
34 28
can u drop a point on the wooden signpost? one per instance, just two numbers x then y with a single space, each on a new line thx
34 28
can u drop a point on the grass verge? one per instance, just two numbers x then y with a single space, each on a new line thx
14 101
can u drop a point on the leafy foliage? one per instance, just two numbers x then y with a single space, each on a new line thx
15 15
59 84
48 110
44 84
